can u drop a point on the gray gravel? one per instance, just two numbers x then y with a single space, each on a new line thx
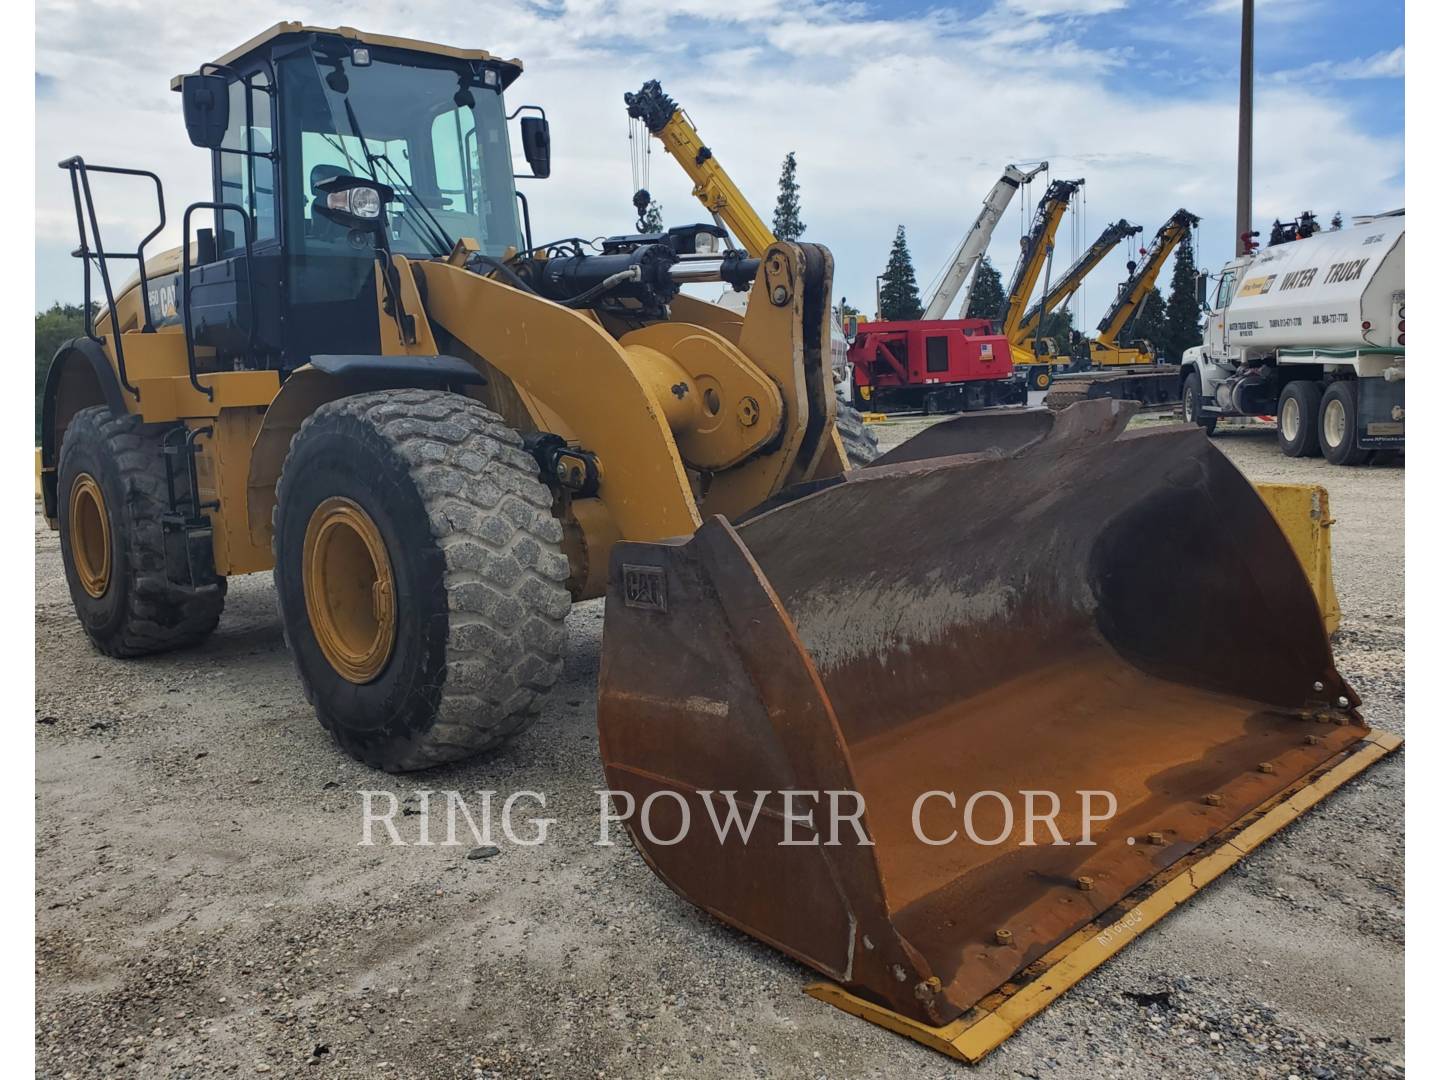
203 908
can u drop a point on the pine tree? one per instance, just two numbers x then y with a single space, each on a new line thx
1149 325
987 292
1182 311
787 224
652 221
899 295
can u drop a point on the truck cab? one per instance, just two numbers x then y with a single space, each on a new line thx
1310 331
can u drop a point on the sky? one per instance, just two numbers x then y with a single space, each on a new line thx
899 113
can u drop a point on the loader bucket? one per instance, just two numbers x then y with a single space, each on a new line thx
1061 611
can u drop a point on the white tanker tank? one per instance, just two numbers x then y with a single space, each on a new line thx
1312 332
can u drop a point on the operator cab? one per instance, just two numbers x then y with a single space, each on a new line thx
328 147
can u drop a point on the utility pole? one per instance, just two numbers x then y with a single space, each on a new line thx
1244 174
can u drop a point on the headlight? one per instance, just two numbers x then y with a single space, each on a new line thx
361 202
706 243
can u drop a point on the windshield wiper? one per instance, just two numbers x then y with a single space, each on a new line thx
414 200
404 190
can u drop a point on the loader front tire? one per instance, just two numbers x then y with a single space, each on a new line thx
112 493
861 446
420 576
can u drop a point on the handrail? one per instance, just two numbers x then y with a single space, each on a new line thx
249 228
80 184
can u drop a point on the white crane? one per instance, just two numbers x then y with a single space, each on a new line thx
978 239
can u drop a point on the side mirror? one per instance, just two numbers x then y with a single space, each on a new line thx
206 102
1202 290
535 139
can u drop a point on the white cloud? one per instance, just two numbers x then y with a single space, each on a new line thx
1386 64
893 120
1044 8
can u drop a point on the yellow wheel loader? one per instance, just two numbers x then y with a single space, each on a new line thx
361 371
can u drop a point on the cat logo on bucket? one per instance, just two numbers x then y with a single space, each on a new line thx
645 587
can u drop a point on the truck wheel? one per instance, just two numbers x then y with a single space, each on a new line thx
420 576
1191 404
1339 426
112 493
861 445
1298 421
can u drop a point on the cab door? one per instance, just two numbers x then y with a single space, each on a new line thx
1217 334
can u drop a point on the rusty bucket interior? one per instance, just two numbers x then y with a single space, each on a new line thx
1062 610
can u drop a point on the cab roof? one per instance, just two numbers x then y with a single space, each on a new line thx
510 68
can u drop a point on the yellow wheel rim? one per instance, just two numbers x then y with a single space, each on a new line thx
1042 381
349 590
90 535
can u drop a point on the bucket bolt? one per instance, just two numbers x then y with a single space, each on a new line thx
1003 937
927 990
1266 767
1312 740
1213 800
1156 838
1319 686
1343 701
1085 884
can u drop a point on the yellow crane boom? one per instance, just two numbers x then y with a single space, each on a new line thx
1036 248
1131 297
1074 277
713 186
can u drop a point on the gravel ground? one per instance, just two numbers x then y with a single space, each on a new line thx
204 909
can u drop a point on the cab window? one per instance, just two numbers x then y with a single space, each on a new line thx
247 173
434 135
1225 290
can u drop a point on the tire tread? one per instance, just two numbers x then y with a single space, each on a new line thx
161 615
505 574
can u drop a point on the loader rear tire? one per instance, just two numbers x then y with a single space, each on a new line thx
420 576
861 445
112 493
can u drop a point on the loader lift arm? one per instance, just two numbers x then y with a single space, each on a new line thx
1071 280
1038 243
977 240
713 186
1133 293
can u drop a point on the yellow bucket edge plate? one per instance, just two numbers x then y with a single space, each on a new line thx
1000 1015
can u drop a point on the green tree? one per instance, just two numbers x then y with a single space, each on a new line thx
52 329
652 221
1057 325
787 224
1182 311
1149 325
899 295
987 292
